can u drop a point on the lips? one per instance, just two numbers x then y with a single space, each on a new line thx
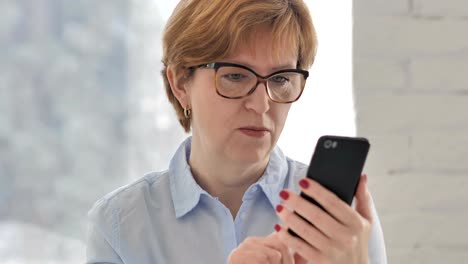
255 128
255 131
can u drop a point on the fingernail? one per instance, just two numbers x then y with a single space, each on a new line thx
304 183
279 208
277 228
284 195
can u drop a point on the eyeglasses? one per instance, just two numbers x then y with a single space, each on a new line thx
236 81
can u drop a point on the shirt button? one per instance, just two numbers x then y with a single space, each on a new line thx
255 188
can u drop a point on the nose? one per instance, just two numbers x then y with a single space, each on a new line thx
258 101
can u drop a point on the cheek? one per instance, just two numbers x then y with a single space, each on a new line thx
282 115
200 95
210 110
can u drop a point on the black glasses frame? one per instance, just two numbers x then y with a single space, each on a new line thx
260 79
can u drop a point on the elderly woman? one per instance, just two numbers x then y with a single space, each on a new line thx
232 69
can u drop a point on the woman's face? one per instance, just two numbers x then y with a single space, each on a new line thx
239 130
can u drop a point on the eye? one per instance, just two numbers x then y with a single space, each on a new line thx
235 77
279 79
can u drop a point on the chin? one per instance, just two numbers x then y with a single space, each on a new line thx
250 155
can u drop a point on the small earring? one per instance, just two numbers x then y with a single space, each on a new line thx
187 113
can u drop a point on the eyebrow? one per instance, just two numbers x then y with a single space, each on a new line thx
283 67
274 69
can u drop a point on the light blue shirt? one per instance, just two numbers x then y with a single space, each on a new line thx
166 217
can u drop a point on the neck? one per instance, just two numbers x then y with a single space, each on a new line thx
224 179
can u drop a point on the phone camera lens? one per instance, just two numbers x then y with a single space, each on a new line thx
328 144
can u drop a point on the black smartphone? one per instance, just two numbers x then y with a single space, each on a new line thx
337 165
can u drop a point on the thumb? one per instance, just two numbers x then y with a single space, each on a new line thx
363 199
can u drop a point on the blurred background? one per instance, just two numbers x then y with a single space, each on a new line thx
83 111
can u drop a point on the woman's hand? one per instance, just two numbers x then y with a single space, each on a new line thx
339 236
259 250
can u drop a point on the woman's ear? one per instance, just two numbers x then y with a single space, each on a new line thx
176 80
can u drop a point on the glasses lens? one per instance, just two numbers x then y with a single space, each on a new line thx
285 87
234 81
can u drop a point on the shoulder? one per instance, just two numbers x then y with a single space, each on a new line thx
125 198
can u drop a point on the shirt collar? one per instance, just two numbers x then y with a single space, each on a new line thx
186 192
274 177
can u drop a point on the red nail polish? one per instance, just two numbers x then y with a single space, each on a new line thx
304 183
277 228
284 195
279 208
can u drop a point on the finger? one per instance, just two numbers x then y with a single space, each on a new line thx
328 225
363 199
273 256
255 256
298 245
338 209
256 248
305 230
298 259
274 242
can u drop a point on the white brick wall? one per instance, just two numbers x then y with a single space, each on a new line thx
397 37
410 113
432 74
411 91
392 71
440 8
374 7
